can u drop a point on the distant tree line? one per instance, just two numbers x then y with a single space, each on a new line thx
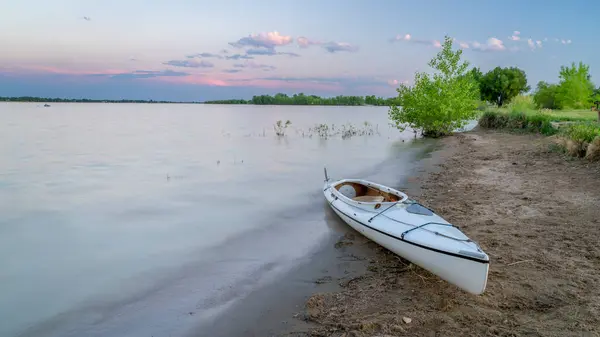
78 100
302 99
574 89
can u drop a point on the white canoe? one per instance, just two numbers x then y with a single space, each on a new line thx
410 230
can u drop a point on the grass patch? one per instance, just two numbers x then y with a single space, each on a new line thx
532 122
580 139
554 115
572 115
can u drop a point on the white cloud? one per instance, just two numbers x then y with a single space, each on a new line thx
333 47
254 65
330 46
189 64
492 44
464 45
516 32
495 44
409 38
266 40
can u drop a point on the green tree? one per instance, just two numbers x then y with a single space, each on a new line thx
545 95
575 87
500 85
438 104
477 74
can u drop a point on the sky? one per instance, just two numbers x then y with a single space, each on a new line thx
186 50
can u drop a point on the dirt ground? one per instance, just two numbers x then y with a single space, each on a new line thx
537 215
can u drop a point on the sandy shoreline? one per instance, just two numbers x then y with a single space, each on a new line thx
533 211
277 309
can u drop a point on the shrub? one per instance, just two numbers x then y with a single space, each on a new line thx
521 103
533 122
583 140
593 149
576 148
517 120
584 132
541 123
439 104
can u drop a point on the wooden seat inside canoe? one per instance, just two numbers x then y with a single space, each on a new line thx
363 193
369 198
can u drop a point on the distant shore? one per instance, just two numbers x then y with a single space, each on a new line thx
278 99
31 99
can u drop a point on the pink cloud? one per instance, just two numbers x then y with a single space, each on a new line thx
273 84
194 79
304 42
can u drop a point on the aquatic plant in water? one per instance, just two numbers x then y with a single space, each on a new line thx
346 131
280 127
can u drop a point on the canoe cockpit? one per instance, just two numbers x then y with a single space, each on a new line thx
365 192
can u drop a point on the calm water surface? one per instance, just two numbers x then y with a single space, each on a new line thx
145 219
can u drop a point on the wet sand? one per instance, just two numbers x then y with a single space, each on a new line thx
535 212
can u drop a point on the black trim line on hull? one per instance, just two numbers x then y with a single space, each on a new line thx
412 243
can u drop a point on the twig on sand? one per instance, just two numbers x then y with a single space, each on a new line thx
412 267
512 264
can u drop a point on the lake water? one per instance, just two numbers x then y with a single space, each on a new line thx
146 219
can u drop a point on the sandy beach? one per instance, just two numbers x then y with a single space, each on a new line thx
532 210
